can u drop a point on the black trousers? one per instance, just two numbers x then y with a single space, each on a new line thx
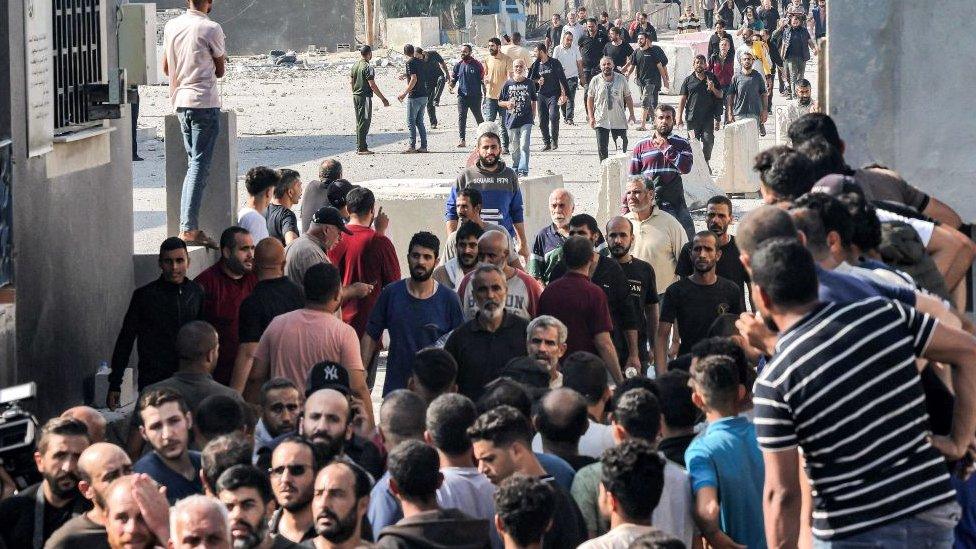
468 103
603 141
704 131
549 118
431 107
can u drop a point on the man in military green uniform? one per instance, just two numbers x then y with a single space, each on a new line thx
363 87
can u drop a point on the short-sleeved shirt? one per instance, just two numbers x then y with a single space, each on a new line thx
497 68
700 102
884 184
591 49
432 64
843 386
369 257
194 387
481 355
413 324
609 114
362 73
191 43
221 308
521 94
582 306
254 222
729 266
658 241
748 90
645 64
281 221
450 243
177 486
302 253
643 292
270 298
727 457
522 298
620 53
296 341
694 307
567 57
547 240
514 52
417 67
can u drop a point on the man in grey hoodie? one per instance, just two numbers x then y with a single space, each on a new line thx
415 476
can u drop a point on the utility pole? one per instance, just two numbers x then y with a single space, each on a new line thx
368 17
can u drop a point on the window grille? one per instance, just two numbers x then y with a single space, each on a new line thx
77 51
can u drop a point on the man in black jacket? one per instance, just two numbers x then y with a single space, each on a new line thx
156 313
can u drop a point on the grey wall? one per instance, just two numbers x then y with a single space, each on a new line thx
257 26
72 251
901 91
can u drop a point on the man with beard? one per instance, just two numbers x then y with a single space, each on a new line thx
718 218
552 236
339 503
523 293
650 64
640 281
607 97
137 513
662 158
250 503
795 48
700 93
658 236
747 93
165 425
569 58
483 345
468 74
500 192
296 341
469 205
294 464
619 50
497 68
327 424
199 521
414 479
553 89
696 301
416 311
281 408
546 344
466 259
99 465
800 105
591 46
53 501
312 248
155 314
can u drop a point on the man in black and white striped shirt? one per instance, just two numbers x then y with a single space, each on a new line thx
842 386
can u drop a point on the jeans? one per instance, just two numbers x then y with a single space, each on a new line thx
431 107
492 112
704 131
709 19
569 108
363 107
520 148
670 197
468 103
908 533
200 129
415 121
603 141
794 71
549 118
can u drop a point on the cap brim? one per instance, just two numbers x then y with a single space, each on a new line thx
345 230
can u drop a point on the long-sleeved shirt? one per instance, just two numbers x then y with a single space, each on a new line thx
666 163
469 75
553 77
500 193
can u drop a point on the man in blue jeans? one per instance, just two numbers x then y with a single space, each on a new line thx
194 59
416 96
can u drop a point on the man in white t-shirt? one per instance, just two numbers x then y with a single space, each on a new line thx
260 182
568 55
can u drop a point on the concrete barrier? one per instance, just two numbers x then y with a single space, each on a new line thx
782 122
219 205
681 59
419 31
535 197
741 147
663 16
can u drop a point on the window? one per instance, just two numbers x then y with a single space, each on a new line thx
6 213
77 50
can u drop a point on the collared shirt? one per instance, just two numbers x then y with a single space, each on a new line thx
302 253
481 355
192 41
658 240
666 161
568 58
221 307
547 241
609 100
582 306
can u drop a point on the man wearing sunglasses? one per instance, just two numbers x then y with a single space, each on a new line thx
281 407
294 465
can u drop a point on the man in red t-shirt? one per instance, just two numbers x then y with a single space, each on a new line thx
225 284
582 306
365 256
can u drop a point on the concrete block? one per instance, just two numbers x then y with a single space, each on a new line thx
219 205
137 43
741 147
782 122
681 58
697 40
698 183
413 205
146 133
129 392
535 197
484 27
419 31
614 172
663 16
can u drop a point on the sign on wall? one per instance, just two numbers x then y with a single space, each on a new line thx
40 76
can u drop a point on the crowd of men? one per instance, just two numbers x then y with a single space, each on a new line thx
629 382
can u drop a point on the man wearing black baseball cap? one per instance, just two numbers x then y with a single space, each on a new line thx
323 232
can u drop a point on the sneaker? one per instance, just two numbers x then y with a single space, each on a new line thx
762 130
545 147
411 150
433 126
365 152
422 150
505 150
461 145
555 144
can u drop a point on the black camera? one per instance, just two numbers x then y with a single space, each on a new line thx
18 435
